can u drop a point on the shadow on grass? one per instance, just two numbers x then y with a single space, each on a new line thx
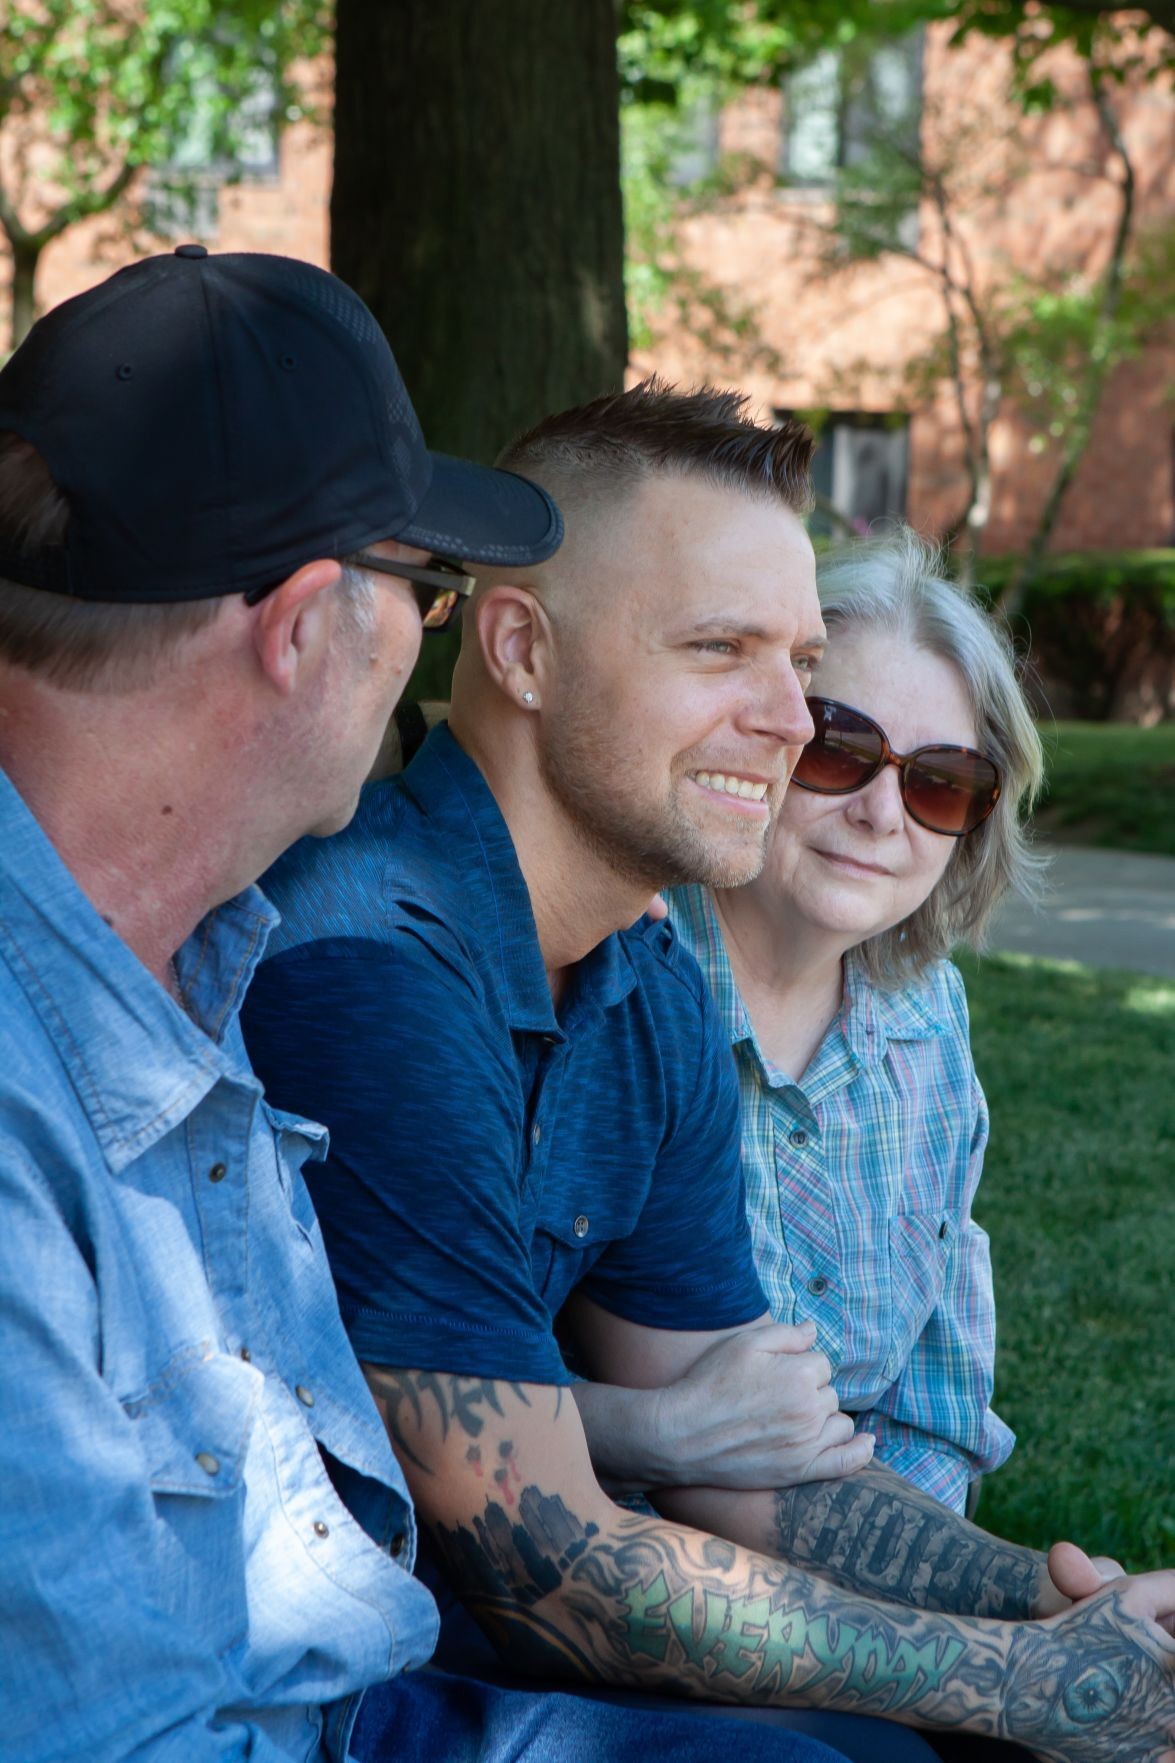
1109 784
1079 1198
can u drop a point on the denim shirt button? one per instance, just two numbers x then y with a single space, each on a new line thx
304 1395
397 1544
208 1463
582 1225
217 1172
321 1529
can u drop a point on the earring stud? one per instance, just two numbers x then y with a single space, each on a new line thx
528 697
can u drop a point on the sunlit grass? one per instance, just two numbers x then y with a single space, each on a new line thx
1079 1198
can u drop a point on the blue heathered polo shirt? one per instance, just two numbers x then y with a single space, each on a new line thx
487 1152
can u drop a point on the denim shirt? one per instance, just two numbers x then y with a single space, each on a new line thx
205 1540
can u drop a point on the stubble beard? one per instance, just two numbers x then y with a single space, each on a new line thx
649 845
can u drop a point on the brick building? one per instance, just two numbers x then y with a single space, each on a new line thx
1025 200
840 341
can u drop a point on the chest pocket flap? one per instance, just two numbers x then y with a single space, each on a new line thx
195 1422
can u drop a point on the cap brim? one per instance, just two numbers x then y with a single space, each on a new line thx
480 515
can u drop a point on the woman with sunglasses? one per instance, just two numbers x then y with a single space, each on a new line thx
864 1124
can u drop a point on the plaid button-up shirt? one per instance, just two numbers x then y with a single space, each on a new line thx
860 1183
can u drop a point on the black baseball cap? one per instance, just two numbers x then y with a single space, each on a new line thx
214 422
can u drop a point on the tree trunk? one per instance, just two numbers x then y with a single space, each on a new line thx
476 204
1081 427
979 504
25 257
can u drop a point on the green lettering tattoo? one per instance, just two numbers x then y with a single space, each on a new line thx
774 1647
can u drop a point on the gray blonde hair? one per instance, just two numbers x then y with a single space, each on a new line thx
897 584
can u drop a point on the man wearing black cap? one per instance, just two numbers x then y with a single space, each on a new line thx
220 533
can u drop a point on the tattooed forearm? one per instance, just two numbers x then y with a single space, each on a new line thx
652 1605
501 1479
874 1533
1105 1677
453 1402
779 1647
643 1602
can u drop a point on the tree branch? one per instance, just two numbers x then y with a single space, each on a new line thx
82 206
1099 355
10 221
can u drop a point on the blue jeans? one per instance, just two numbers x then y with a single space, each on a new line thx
438 1717
432 1717
475 1706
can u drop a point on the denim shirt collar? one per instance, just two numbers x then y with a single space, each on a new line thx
452 792
138 1063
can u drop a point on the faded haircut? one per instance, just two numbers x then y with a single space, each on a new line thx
600 453
897 584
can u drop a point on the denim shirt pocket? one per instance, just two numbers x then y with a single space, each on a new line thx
296 1141
920 1245
195 1424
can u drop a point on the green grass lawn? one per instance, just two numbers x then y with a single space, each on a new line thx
1079 1198
1110 783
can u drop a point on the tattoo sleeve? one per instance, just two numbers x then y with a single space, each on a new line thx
460 1405
873 1532
567 1585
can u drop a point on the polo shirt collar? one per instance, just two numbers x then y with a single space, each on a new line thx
451 790
138 1063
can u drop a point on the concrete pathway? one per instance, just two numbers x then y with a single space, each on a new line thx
1106 908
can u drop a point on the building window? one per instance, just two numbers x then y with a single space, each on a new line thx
693 149
183 197
840 108
860 470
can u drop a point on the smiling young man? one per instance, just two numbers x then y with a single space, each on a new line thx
533 1115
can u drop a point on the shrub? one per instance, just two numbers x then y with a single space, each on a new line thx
1100 628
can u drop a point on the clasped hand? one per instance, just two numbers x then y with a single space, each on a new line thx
758 1410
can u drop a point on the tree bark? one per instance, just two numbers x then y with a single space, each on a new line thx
1081 428
476 204
25 257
